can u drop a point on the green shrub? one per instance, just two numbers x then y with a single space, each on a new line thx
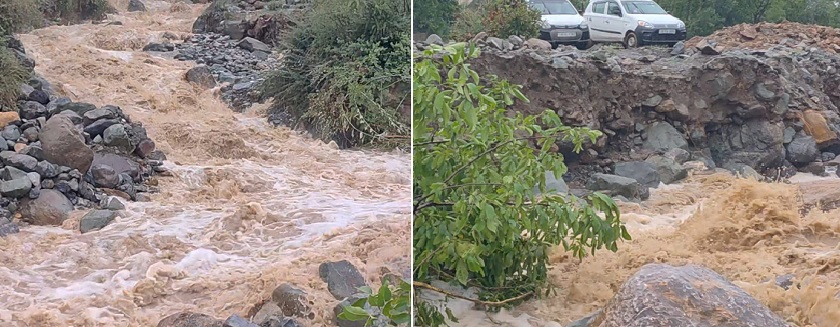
434 16
18 15
13 74
499 18
345 72
73 11
468 22
477 218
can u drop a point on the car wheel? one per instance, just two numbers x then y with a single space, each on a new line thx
631 41
584 45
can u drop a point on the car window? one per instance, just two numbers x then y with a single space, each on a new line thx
643 7
598 7
613 9
541 7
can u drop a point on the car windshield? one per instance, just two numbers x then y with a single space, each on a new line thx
643 7
555 8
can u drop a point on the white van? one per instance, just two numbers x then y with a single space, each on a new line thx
562 23
632 22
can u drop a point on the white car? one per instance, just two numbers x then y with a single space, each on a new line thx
562 24
632 22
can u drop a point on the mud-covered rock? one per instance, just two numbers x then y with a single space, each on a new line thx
7 227
663 295
291 300
201 76
802 150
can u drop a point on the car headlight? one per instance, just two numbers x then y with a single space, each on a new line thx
680 25
645 24
583 26
545 24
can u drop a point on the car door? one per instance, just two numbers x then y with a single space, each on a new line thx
595 18
613 22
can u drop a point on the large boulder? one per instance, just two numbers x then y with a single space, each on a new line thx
661 136
342 278
64 145
618 185
50 208
201 76
663 295
96 219
668 169
16 188
755 143
553 184
802 150
118 163
643 172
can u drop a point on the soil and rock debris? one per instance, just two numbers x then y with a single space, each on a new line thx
723 153
240 223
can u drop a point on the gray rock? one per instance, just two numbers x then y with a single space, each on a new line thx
7 227
678 155
11 173
120 164
652 101
237 321
678 49
97 114
104 176
64 145
827 156
159 47
252 44
584 322
553 184
669 170
663 295
235 29
112 203
291 300
756 143
73 116
763 93
516 41
50 208
201 76
744 171
16 188
35 179
116 136
32 110
189 319
46 169
96 219
98 127
618 185
80 108
802 150
136 5
11 133
788 135
661 136
31 134
19 161
496 42
434 39
342 278
643 172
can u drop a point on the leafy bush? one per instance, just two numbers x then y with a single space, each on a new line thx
13 75
477 218
73 11
500 18
345 74
393 305
434 16
18 15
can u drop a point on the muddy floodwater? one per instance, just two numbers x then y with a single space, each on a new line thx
752 233
250 206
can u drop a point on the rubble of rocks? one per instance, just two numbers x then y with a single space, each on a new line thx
289 304
767 35
772 111
56 154
238 64
261 20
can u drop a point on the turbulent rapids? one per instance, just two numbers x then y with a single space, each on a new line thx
249 206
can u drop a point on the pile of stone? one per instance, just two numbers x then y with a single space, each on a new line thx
289 304
237 63
56 154
766 35
261 20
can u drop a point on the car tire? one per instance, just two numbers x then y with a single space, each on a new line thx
584 45
631 40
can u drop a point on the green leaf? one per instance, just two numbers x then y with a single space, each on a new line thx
352 313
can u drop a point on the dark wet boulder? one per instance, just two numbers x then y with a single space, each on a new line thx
104 176
342 278
643 172
660 295
96 219
291 300
661 136
618 185
80 108
201 76
802 150
669 170
136 5
7 226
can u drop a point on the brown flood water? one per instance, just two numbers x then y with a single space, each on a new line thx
251 206
750 232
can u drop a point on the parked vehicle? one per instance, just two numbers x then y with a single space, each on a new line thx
562 23
632 22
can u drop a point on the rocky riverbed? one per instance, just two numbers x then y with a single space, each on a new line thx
238 218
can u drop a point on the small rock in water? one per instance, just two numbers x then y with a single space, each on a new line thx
136 5
291 300
6 226
202 76
342 278
96 219
113 203
252 45
104 176
189 319
237 321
